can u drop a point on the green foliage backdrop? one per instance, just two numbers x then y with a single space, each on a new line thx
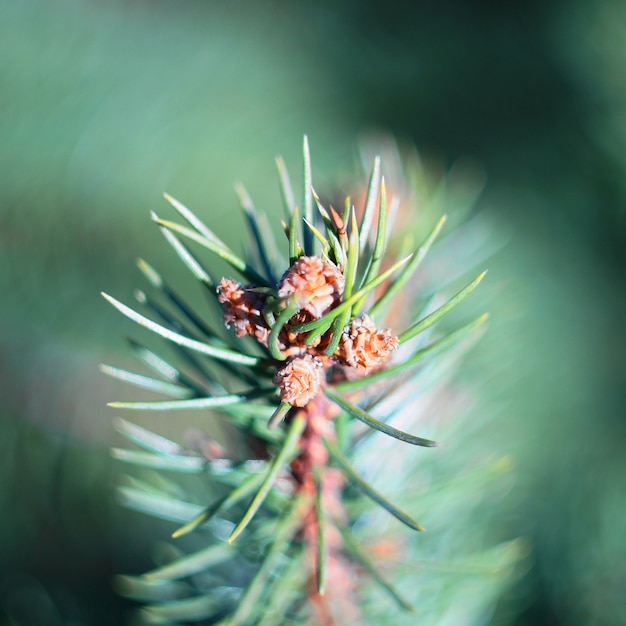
106 105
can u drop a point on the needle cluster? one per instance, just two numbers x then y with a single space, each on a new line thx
323 352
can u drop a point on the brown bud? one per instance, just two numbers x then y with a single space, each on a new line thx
242 309
300 379
363 345
315 284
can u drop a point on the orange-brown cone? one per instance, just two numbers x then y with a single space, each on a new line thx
242 309
300 379
363 345
315 284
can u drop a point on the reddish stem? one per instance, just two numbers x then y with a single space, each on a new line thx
312 462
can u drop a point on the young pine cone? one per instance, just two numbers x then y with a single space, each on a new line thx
300 379
242 309
363 345
316 285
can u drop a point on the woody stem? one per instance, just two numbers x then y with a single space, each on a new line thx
324 486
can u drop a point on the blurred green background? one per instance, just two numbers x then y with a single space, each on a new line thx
104 105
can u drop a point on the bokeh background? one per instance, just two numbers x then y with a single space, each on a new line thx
103 105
